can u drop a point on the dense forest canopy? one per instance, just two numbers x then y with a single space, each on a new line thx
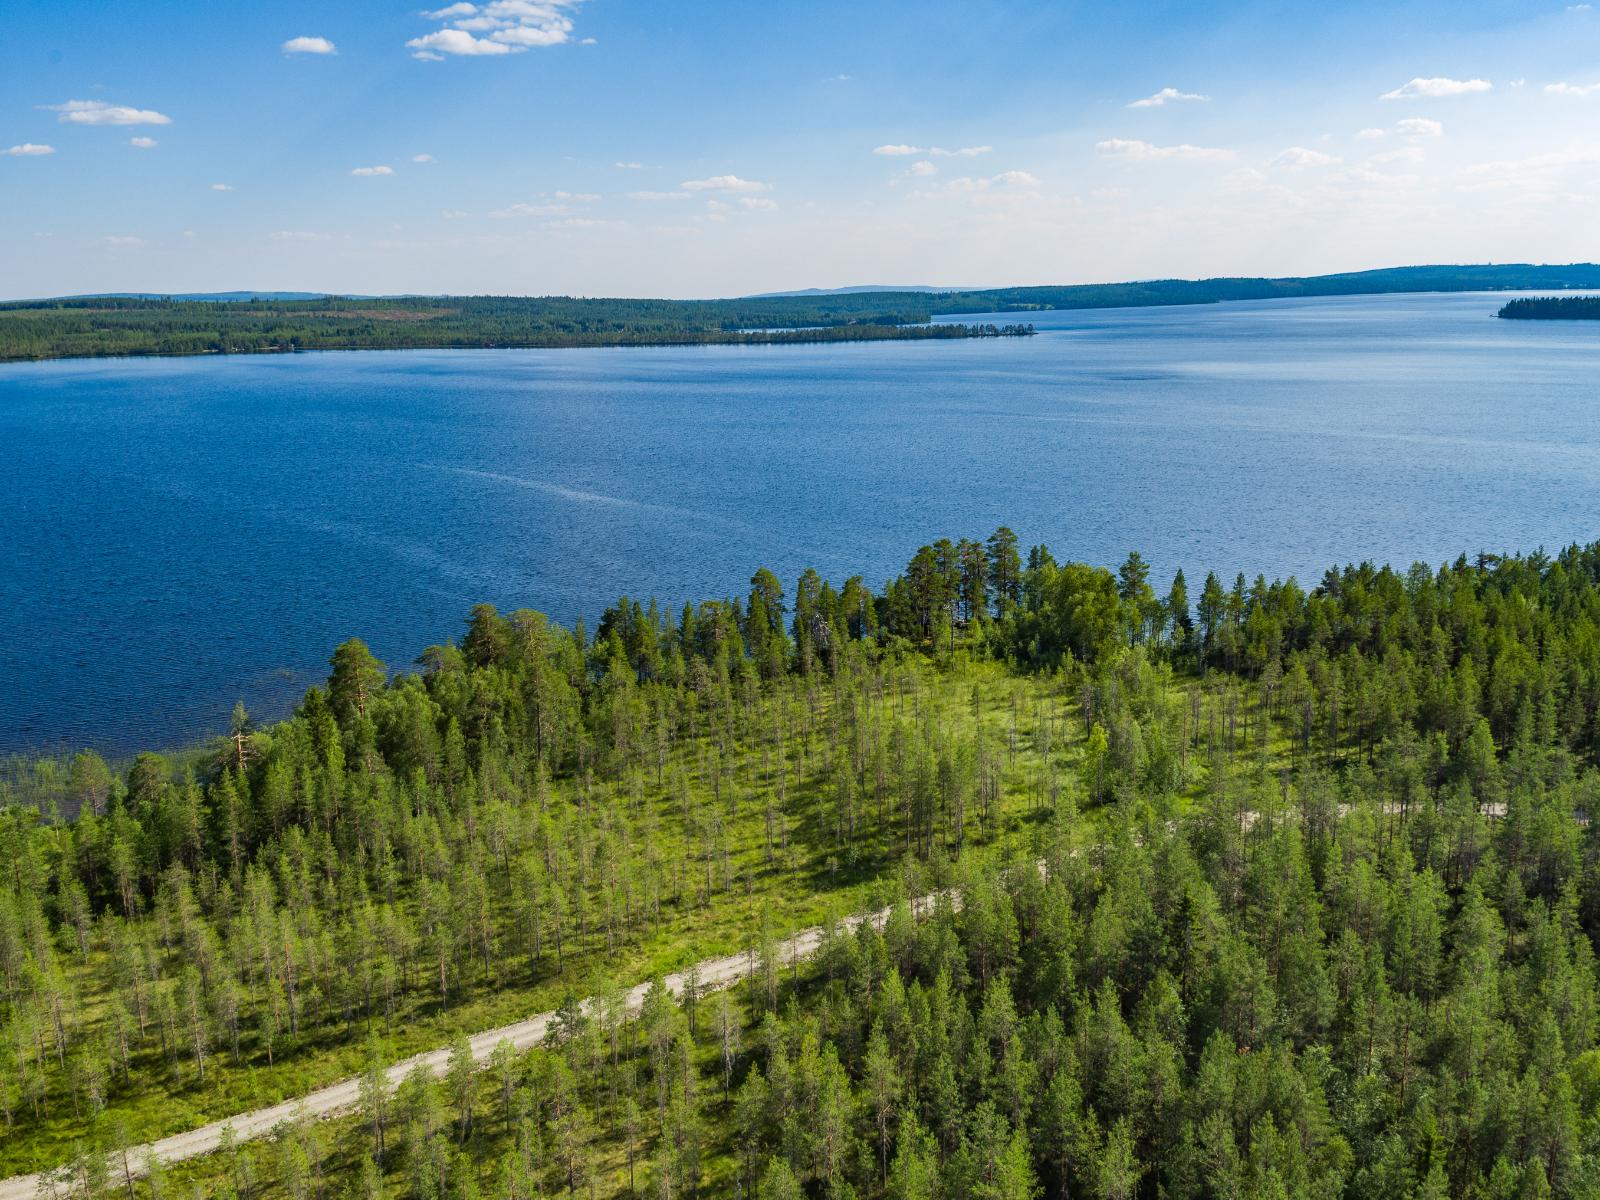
1265 890
1552 308
112 325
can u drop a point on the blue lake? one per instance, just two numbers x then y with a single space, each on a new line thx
178 534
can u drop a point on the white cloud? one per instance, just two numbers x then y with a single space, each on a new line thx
1419 127
1167 95
898 150
1299 156
1408 154
98 112
757 202
124 240
142 143
724 183
309 45
29 150
422 158
658 195
1136 151
530 210
434 46
368 171
904 151
922 169
1572 89
963 152
628 166
1016 179
299 235
1372 135
505 26
222 187
578 197
1435 88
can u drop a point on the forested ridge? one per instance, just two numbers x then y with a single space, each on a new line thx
1264 891
90 326
1552 308
108 325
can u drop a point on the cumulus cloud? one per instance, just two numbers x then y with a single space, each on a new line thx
578 197
98 112
922 169
898 150
1133 150
724 183
757 202
658 195
368 171
1015 179
142 143
1436 88
1572 89
222 187
308 45
422 158
1167 95
1299 156
496 28
1419 127
30 150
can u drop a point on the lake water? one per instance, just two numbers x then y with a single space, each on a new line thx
177 534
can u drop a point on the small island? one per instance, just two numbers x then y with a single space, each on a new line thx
1552 308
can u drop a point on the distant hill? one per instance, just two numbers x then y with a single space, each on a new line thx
277 322
858 289
204 297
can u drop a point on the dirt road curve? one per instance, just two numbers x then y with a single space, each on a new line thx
342 1097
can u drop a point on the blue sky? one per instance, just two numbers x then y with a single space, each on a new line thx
618 147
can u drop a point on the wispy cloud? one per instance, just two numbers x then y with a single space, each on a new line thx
1419 127
922 169
1168 95
124 241
658 195
724 183
757 203
369 171
1134 150
29 150
222 187
309 45
628 166
142 143
497 28
98 112
530 210
1300 156
299 235
1437 88
900 150
1572 89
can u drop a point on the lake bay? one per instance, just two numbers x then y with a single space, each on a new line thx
178 534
